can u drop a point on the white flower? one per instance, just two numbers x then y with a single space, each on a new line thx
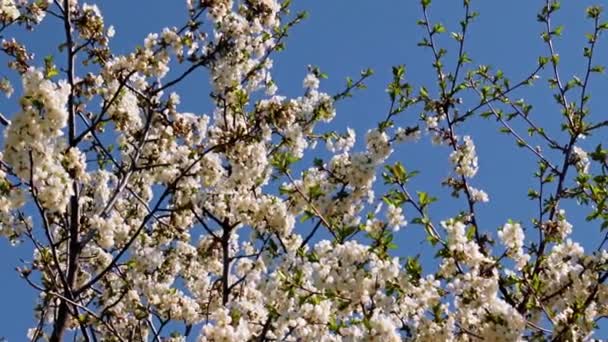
458 243
383 328
512 236
93 8
478 195
75 162
403 135
395 217
125 110
378 145
343 143
8 10
559 227
465 159
311 82
432 122
581 159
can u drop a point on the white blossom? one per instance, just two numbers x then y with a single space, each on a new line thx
512 236
226 227
8 10
465 158
478 195
581 159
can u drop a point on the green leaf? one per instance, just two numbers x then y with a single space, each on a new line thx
413 268
282 161
399 71
438 28
50 70
457 36
464 58
306 216
315 191
598 68
594 12
533 194
424 93
367 72
424 199
471 233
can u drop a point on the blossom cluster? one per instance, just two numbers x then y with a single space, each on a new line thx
216 225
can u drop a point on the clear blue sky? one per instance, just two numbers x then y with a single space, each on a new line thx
343 37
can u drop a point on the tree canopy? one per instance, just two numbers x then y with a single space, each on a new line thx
150 223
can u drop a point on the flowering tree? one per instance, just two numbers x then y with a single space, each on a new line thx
284 254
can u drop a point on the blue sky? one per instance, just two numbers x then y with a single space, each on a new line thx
343 37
